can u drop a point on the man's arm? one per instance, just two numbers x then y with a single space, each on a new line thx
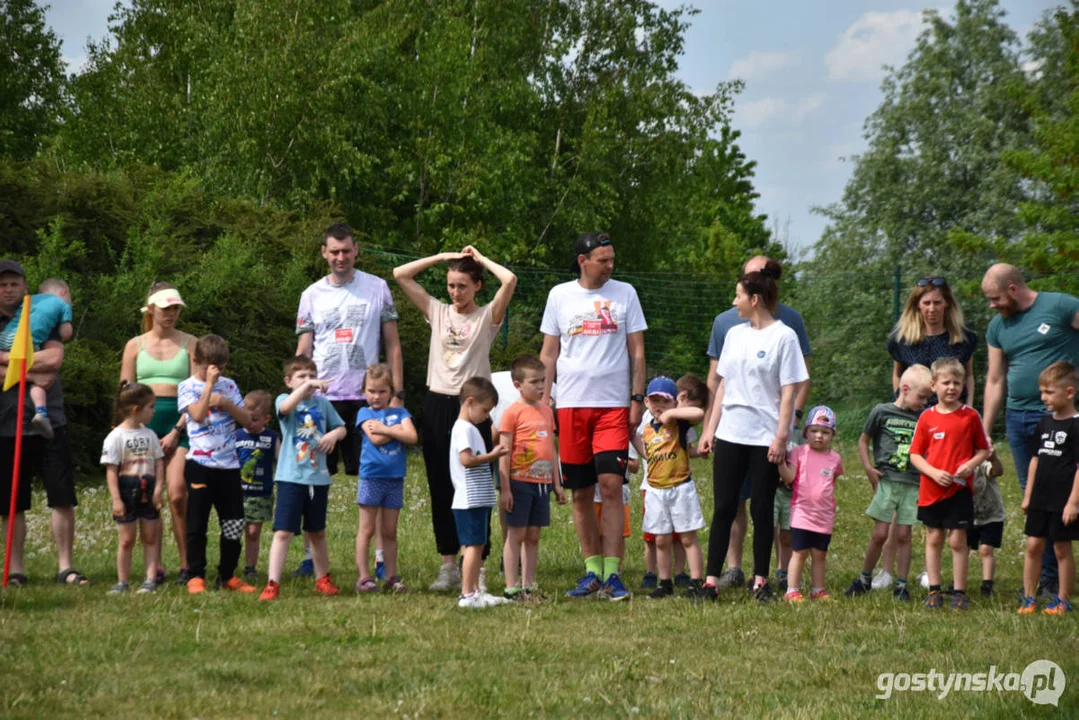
712 381
802 395
391 339
48 359
305 344
635 345
994 388
552 345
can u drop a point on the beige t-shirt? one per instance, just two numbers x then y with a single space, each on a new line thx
460 346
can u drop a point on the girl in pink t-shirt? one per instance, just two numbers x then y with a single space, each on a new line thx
811 471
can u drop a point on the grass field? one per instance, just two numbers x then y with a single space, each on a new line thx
77 652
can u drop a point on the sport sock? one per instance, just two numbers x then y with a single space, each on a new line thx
610 567
594 565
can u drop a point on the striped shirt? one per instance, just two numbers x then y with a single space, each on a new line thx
473 487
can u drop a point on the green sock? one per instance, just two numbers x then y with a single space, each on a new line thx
594 564
610 567
513 590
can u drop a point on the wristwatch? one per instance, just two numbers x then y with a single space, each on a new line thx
636 397
798 414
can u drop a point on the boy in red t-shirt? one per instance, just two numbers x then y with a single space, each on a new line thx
949 444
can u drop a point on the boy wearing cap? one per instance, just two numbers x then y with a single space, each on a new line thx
50 317
810 471
671 504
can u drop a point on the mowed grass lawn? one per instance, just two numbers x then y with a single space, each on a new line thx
69 651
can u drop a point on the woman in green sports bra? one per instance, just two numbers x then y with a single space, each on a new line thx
161 358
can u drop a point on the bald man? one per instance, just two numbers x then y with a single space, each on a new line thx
1031 331
727 319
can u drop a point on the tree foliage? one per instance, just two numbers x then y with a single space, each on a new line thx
31 78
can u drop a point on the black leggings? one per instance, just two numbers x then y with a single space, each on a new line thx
208 488
731 462
439 414
349 448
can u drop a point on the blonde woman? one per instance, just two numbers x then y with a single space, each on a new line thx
161 358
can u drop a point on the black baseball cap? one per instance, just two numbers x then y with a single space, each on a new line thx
585 244
10 266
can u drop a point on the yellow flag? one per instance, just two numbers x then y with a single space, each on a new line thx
22 348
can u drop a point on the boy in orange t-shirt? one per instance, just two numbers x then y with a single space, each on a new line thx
528 472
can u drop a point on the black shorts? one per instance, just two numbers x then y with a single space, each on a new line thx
953 513
56 471
31 448
1050 525
137 495
991 534
809 540
298 503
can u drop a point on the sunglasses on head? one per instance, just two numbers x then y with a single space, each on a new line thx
598 241
934 281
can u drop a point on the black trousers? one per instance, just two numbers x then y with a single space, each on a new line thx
731 462
439 414
349 448
213 488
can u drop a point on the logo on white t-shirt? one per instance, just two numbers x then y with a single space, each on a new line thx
342 336
1043 328
760 353
602 323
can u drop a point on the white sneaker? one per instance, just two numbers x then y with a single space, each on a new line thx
449 577
483 580
472 600
923 580
493 600
40 422
882 581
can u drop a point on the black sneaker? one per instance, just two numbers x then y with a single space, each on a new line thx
183 576
935 600
960 601
695 591
682 579
664 590
858 587
706 592
902 594
764 594
987 588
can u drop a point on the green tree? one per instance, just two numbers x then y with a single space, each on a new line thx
31 78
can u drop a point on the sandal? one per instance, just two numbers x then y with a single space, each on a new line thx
16 579
71 576
366 585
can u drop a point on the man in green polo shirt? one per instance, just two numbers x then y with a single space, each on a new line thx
1032 331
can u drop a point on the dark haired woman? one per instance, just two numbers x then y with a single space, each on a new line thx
748 426
161 359
461 336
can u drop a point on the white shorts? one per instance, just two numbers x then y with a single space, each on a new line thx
596 497
669 510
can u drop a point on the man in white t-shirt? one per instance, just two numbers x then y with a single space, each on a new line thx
593 331
343 320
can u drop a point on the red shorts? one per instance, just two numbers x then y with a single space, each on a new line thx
649 537
592 442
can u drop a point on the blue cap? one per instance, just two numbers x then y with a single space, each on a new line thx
821 416
664 386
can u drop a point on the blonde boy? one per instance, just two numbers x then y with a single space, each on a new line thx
890 429
528 474
949 444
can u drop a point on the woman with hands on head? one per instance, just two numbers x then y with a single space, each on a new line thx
460 348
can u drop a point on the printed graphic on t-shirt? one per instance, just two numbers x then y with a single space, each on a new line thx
903 432
603 320
308 434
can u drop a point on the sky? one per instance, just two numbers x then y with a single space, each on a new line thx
812 70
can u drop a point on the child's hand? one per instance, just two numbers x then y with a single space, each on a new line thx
213 372
315 384
219 401
941 478
118 508
507 501
874 476
372 427
326 444
499 451
560 495
1070 513
966 469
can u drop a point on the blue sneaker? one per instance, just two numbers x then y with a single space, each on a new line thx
306 569
614 590
682 579
650 581
380 570
587 587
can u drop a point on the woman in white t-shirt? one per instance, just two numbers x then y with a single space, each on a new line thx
461 336
749 423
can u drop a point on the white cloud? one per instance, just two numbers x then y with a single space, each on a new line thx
873 40
1033 68
807 106
758 65
758 112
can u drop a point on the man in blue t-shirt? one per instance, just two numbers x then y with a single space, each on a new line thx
1031 332
727 319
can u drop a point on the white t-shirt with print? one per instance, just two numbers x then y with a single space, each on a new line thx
593 369
134 452
755 365
213 441
472 487
347 324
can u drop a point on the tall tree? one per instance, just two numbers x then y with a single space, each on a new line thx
31 78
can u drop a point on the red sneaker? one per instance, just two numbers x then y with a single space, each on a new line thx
324 586
237 585
196 585
270 591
